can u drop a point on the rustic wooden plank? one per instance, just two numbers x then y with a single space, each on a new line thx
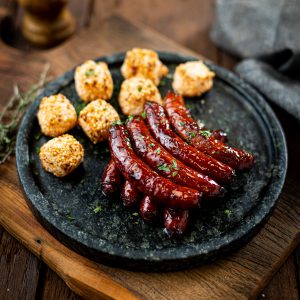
284 284
241 275
20 267
54 288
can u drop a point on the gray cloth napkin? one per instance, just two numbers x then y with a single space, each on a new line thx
267 34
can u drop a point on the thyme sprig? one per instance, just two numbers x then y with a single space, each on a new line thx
12 113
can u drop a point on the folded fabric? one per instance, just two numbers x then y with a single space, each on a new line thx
266 33
278 82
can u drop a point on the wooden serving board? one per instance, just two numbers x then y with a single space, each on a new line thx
241 275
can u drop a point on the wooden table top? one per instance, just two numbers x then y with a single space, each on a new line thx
26 277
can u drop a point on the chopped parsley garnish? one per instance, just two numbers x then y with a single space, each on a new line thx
181 123
89 72
163 122
37 136
205 133
163 167
143 114
157 151
130 118
140 88
135 214
192 134
174 165
70 218
174 173
228 212
118 122
151 145
97 209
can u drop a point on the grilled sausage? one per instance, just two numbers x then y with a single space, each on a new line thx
111 179
166 164
148 209
160 128
175 221
187 128
144 178
129 194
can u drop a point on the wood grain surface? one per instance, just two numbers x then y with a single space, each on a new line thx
242 275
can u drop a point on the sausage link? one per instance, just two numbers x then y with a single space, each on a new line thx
129 195
175 221
144 178
187 128
160 128
164 163
111 179
148 209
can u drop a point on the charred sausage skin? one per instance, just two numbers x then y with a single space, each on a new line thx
187 128
164 163
175 221
129 195
111 179
144 178
148 209
161 131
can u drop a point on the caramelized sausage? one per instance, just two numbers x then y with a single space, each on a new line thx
148 209
111 179
187 128
175 220
164 163
144 178
160 128
129 194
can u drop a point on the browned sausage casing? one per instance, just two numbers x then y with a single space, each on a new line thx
148 209
164 163
144 178
175 220
160 128
187 128
111 179
129 195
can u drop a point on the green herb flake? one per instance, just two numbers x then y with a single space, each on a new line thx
163 167
205 133
143 114
130 118
140 88
118 122
181 123
174 165
157 151
89 72
151 145
228 212
192 134
37 136
97 209
174 173
135 214
38 149
163 122
70 218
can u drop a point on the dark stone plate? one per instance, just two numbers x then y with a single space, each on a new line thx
116 235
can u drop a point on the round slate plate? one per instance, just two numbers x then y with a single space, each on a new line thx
118 236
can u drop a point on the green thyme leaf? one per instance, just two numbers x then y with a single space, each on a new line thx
181 123
118 122
174 173
151 145
130 118
135 214
157 151
140 88
70 218
228 212
89 72
143 114
97 209
174 165
192 134
163 167
205 133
